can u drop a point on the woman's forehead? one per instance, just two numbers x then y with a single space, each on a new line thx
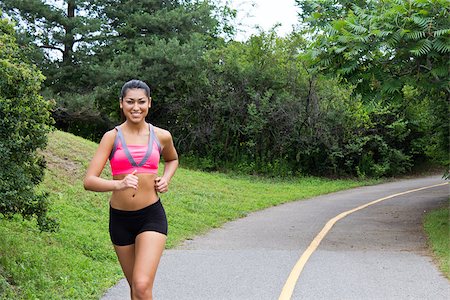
135 94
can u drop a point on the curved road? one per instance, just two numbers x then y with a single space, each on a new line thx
378 252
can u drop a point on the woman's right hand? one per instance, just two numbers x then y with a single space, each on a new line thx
129 181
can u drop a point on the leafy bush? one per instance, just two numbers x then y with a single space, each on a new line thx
24 123
78 114
262 111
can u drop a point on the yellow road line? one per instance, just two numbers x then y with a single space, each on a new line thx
289 286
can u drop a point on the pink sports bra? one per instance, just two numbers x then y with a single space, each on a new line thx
124 159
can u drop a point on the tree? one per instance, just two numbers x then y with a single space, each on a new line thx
162 43
103 43
66 32
388 49
24 123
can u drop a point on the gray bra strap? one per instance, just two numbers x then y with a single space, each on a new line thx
127 152
155 138
149 148
116 141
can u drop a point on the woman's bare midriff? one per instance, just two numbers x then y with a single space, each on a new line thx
144 196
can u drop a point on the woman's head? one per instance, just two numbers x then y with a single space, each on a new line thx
135 101
134 84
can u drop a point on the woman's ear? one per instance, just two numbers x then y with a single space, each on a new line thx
120 103
149 102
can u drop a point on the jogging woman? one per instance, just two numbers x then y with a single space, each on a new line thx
137 224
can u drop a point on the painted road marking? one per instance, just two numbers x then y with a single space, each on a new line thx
289 286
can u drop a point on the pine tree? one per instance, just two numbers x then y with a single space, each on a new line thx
66 32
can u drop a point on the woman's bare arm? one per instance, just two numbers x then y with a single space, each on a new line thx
170 156
93 181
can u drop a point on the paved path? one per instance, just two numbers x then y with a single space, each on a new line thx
376 253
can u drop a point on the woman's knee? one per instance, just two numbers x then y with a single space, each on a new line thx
142 288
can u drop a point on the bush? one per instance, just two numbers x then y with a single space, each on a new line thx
24 123
262 111
78 114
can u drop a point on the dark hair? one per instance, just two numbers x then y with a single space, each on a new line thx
134 84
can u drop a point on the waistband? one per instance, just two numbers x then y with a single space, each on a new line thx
135 212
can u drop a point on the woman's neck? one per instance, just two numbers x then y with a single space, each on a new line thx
136 128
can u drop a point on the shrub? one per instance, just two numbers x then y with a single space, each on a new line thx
24 123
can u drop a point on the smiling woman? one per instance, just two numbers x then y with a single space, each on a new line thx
135 102
138 223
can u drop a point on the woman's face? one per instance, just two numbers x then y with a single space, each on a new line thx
135 105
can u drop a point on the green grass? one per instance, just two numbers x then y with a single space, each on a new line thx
78 261
436 225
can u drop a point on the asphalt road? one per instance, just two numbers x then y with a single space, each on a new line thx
378 252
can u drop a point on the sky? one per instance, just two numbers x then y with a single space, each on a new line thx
264 13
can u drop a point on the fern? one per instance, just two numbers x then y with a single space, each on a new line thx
420 3
391 86
330 30
326 62
340 49
343 39
441 71
395 38
422 48
347 70
362 38
441 45
422 22
338 25
384 33
441 32
416 35
357 28
399 3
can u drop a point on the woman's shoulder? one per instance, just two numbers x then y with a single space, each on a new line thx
162 134
110 135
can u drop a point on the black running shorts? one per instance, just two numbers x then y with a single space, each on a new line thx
125 225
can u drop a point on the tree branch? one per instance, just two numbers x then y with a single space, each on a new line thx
51 47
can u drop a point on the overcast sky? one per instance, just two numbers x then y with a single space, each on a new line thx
264 13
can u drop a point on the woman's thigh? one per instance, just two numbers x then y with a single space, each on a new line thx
126 256
149 247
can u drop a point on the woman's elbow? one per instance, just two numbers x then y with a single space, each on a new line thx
87 184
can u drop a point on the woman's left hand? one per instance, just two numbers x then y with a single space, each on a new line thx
161 185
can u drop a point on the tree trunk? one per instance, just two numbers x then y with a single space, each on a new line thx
69 38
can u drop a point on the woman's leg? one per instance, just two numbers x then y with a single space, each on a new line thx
126 255
148 250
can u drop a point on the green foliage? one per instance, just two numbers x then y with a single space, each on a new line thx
261 111
65 35
88 49
381 47
78 114
165 42
388 45
24 123
257 106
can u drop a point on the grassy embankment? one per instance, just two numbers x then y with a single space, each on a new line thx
78 261
437 227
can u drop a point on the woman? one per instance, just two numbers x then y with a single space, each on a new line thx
138 224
